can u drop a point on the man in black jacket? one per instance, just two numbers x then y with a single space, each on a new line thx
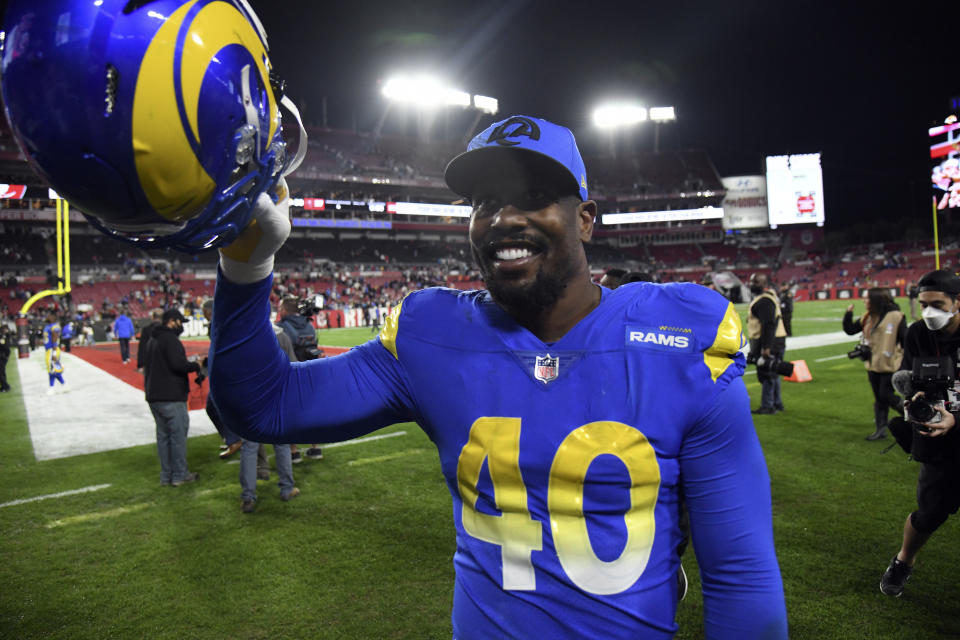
6 345
167 386
767 339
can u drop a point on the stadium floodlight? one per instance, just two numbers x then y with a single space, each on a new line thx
424 91
663 114
486 104
610 116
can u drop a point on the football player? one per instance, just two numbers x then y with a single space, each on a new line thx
570 420
55 369
51 333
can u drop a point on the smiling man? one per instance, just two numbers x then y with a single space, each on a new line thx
571 421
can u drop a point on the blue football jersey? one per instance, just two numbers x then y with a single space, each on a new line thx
51 335
567 462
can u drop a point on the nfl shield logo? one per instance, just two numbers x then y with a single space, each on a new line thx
545 369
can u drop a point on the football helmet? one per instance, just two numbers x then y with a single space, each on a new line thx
158 119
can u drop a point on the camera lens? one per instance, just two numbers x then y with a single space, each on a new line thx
922 411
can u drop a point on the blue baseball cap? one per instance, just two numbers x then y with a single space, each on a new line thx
520 150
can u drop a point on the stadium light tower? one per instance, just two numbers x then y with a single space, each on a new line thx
429 93
622 115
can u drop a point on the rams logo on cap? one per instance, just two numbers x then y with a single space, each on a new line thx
521 127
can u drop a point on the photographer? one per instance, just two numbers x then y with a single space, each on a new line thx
293 318
884 330
768 342
928 380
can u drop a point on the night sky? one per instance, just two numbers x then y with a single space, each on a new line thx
856 82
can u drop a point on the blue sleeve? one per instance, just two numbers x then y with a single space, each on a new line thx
727 492
264 397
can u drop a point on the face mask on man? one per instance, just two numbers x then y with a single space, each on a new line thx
756 288
936 319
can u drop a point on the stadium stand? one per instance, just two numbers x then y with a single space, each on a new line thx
349 264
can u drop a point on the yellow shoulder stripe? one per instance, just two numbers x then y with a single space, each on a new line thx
729 340
388 335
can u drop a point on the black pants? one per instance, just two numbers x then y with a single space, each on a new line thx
3 374
884 398
938 495
124 348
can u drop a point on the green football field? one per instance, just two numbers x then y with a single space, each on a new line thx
366 550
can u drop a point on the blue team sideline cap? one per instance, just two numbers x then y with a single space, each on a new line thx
521 150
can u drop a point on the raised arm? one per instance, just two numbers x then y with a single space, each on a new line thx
727 491
851 327
258 392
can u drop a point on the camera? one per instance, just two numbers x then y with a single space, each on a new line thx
934 376
307 308
861 351
770 364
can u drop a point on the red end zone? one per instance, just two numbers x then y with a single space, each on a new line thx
106 356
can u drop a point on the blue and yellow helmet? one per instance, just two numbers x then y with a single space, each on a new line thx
158 119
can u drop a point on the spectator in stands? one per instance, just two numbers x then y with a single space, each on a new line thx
123 330
611 279
884 330
768 338
167 386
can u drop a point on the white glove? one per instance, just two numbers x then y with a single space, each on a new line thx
249 258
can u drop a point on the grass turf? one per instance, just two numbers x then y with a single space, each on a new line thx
365 551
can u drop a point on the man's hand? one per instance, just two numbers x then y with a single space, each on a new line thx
249 258
934 429
850 307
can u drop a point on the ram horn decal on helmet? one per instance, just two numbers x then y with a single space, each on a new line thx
160 121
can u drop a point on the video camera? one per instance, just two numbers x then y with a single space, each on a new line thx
307 308
770 364
861 351
934 376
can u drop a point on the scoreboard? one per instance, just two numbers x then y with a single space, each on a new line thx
795 189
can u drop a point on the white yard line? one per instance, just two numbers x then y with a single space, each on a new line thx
842 355
347 443
50 496
100 413
796 343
